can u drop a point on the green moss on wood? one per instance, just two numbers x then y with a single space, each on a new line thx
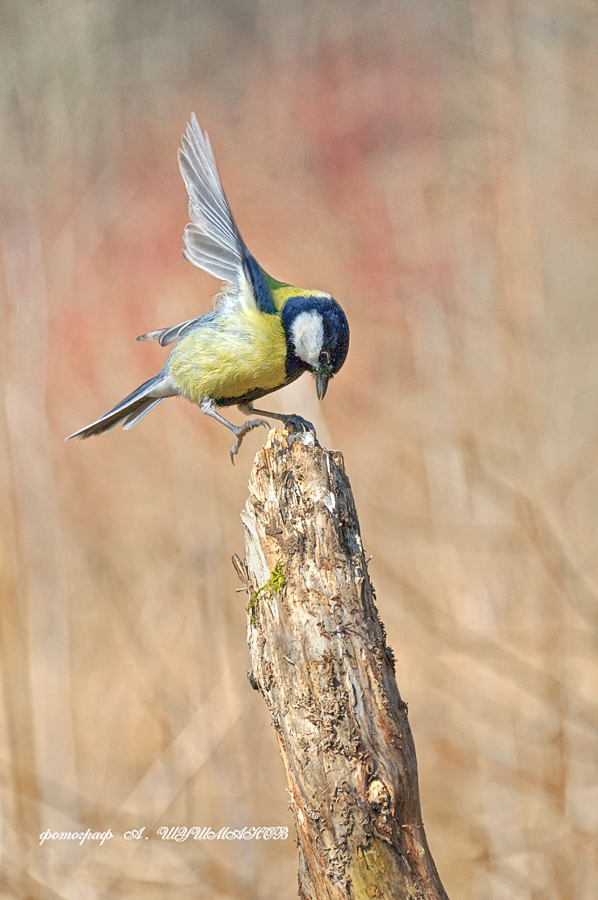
273 585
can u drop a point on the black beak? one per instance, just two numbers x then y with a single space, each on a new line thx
322 378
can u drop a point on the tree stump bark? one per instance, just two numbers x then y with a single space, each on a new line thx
321 663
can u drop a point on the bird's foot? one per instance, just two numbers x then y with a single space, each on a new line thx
299 429
297 424
241 430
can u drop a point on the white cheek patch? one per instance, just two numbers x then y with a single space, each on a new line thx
307 334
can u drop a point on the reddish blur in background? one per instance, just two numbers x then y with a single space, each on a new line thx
431 163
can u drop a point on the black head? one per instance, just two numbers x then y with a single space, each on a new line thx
317 334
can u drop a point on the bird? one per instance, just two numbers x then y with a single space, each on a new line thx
261 335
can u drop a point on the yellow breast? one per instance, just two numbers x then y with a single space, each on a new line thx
241 351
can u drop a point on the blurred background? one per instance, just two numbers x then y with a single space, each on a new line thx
431 163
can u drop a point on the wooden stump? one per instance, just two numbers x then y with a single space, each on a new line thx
321 663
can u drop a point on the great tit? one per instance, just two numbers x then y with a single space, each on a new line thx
261 335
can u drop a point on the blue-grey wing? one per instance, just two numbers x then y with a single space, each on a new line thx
166 336
212 239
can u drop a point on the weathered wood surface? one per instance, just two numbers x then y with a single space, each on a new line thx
321 663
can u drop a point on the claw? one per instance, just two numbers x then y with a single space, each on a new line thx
240 433
297 424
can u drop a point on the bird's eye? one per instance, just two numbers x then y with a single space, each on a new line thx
324 358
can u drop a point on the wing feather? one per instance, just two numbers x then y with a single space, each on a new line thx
212 239
166 336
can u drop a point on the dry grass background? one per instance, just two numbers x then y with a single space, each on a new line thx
432 164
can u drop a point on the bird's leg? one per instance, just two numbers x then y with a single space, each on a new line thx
208 407
293 423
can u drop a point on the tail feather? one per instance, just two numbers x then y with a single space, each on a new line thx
132 409
140 413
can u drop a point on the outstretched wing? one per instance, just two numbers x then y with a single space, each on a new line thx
166 336
212 240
